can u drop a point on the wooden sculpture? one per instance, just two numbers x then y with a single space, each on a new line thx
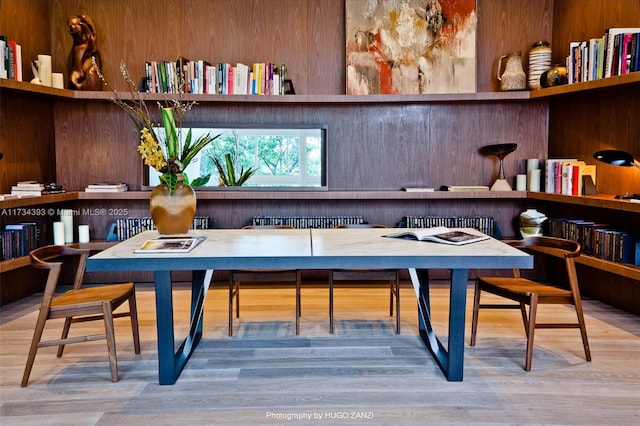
82 72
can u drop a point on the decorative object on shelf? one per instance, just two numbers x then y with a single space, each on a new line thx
616 158
410 46
84 58
500 150
228 176
539 62
41 70
619 158
172 211
554 76
513 77
531 223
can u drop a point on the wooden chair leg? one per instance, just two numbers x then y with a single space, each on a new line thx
133 313
583 332
65 334
331 303
531 326
523 312
476 312
231 290
391 294
397 293
33 349
298 307
111 341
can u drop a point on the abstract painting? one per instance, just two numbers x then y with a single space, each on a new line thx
410 46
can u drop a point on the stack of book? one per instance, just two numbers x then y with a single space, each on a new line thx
617 52
18 239
484 224
307 222
127 227
567 176
30 188
10 59
201 77
106 187
598 239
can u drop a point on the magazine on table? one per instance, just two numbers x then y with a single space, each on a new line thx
440 234
170 245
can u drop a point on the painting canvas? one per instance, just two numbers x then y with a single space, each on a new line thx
410 46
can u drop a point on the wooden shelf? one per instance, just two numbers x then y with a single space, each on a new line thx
279 99
621 269
251 194
36 201
603 201
604 83
9 265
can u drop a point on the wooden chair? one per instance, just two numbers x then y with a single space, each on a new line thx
532 293
262 276
372 275
78 305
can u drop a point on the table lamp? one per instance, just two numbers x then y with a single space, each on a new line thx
499 150
619 158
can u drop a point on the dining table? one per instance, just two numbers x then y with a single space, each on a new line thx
357 248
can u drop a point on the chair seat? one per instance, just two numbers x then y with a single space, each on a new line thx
524 287
90 299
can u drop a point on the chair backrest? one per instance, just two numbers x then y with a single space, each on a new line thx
53 258
558 247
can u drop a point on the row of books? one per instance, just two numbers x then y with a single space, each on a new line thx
18 239
32 188
484 224
568 176
127 227
10 59
201 77
307 222
598 239
617 52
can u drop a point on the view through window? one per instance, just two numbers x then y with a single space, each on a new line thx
287 157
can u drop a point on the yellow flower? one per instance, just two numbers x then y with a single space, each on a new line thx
150 150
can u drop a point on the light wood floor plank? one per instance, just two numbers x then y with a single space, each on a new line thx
363 374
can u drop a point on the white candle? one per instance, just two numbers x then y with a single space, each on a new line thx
57 80
83 233
521 182
66 217
534 180
58 233
532 164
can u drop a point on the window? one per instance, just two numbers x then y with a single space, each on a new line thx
282 157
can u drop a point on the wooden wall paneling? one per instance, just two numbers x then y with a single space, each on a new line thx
26 140
505 26
27 23
95 142
585 123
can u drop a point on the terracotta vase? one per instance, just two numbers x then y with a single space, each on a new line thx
173 213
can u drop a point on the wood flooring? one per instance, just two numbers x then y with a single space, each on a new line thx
363 374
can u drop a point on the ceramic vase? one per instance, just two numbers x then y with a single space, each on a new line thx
173 213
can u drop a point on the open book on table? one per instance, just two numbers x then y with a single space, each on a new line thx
440 234
170 245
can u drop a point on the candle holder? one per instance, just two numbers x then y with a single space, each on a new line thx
500 150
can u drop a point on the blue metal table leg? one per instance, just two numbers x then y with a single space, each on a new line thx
450 361
171 362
